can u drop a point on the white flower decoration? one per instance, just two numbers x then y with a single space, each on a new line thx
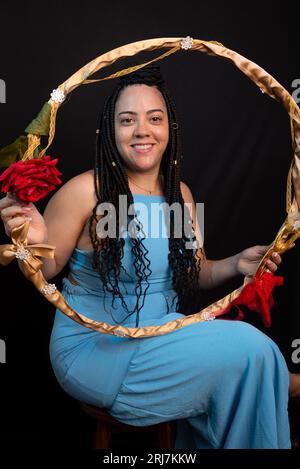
187 43
49 289
297 224
57 96
22 253
120 333
208 317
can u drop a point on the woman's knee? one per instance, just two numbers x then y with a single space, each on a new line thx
245 344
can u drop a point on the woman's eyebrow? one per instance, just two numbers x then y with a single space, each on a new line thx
135 113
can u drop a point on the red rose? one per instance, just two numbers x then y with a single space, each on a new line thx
31 180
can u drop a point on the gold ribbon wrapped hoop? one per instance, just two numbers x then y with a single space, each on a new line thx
44 124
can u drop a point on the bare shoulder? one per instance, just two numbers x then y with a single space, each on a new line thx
81 184
78 192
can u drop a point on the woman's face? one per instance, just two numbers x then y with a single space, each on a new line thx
141 127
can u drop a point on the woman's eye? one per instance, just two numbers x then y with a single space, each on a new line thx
127 120
156 118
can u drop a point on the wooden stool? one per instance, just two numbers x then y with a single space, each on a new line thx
106 425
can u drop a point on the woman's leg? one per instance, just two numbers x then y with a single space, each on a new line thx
225 382
294 387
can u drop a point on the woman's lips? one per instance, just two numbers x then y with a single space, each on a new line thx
146 149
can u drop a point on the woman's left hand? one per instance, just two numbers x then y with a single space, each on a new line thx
249 259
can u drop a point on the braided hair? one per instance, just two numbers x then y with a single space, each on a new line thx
110 181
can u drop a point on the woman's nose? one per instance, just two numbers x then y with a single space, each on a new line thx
141 128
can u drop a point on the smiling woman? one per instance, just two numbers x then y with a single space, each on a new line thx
139 113
183 375
173 376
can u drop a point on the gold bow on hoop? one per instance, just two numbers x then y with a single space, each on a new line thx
20 249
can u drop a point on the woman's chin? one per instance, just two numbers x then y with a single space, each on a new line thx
143 164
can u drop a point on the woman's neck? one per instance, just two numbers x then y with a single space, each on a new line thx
146 184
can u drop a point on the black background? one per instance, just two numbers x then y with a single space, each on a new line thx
236 146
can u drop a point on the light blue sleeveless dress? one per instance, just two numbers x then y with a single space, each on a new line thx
225 383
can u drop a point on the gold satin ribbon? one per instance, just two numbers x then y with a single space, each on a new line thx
286 235
31 267
32 264
258 75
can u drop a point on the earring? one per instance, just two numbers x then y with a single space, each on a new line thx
175 125
175 162
113 163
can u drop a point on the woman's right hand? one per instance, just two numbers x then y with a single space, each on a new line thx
14 213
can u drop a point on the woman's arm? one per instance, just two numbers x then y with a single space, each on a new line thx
65 216
214 273
60 225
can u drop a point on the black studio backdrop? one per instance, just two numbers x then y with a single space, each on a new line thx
236 146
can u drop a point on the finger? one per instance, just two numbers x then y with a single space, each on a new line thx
262 249
15 222
13 210
271 266
276 257
6 202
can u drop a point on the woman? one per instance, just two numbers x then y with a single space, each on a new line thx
225 382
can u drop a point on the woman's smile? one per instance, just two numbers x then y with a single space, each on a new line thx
143 148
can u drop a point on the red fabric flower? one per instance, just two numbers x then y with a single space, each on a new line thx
31 180
257 296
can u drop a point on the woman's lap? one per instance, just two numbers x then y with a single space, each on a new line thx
198 372
179 374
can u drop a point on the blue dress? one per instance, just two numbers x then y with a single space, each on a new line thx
224 382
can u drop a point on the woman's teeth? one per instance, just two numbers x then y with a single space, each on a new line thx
142 147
